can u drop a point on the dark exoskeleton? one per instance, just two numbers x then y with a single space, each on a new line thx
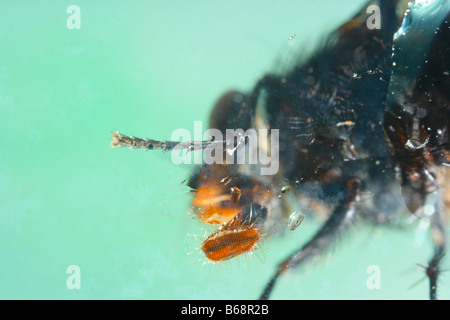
366 113
341 136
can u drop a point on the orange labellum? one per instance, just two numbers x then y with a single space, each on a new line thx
229 242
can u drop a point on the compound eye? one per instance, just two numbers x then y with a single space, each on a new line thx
230 111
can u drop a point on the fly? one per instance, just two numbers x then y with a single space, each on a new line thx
367 113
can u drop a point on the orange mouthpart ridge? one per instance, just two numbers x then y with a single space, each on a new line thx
230 240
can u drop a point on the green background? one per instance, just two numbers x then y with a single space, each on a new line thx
146 68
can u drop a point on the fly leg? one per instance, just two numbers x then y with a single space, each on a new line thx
438 235
339 221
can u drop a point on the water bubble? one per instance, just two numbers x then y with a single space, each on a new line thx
295 219
286 189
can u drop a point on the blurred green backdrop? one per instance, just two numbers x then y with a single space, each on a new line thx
146 68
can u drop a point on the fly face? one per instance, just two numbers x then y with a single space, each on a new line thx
350 121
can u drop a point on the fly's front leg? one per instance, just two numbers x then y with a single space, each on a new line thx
339 221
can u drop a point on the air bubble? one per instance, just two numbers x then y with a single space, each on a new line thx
286 189
295 219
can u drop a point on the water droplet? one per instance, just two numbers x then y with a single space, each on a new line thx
235 194
295 219
285 189
226 180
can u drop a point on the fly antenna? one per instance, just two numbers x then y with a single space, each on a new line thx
121 140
